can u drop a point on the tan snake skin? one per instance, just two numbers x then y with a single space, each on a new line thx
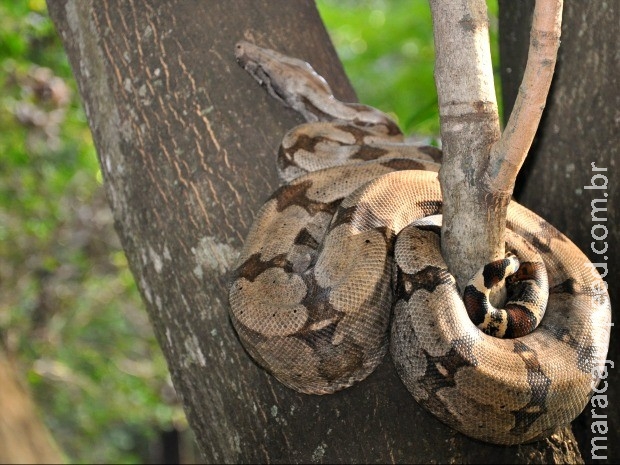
346 247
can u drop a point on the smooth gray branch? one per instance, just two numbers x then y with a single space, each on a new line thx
509 153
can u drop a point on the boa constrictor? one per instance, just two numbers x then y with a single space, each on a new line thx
351 242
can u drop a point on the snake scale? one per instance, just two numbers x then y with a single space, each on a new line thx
343 262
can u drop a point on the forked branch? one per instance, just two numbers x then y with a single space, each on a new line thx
480 165
509 153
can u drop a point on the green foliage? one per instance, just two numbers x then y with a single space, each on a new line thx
388 53
69 307
386 47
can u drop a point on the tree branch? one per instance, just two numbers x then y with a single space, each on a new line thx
480 167
510 151
469 128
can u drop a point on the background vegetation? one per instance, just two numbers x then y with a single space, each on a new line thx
386 47
69 310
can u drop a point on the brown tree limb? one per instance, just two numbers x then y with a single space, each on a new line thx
509 153
23 436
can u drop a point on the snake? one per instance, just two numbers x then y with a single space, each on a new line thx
343 263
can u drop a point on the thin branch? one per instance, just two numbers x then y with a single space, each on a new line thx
510 151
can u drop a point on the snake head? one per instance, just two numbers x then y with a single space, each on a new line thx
291 81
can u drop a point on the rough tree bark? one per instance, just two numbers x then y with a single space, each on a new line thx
187 146
580 127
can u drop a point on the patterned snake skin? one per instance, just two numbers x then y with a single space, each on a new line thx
343 261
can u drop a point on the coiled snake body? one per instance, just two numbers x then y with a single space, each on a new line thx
350 244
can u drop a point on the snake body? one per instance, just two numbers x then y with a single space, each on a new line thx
343 261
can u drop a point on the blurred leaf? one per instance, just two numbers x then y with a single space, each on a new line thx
386 47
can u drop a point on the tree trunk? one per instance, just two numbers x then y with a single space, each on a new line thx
580 128
187 145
